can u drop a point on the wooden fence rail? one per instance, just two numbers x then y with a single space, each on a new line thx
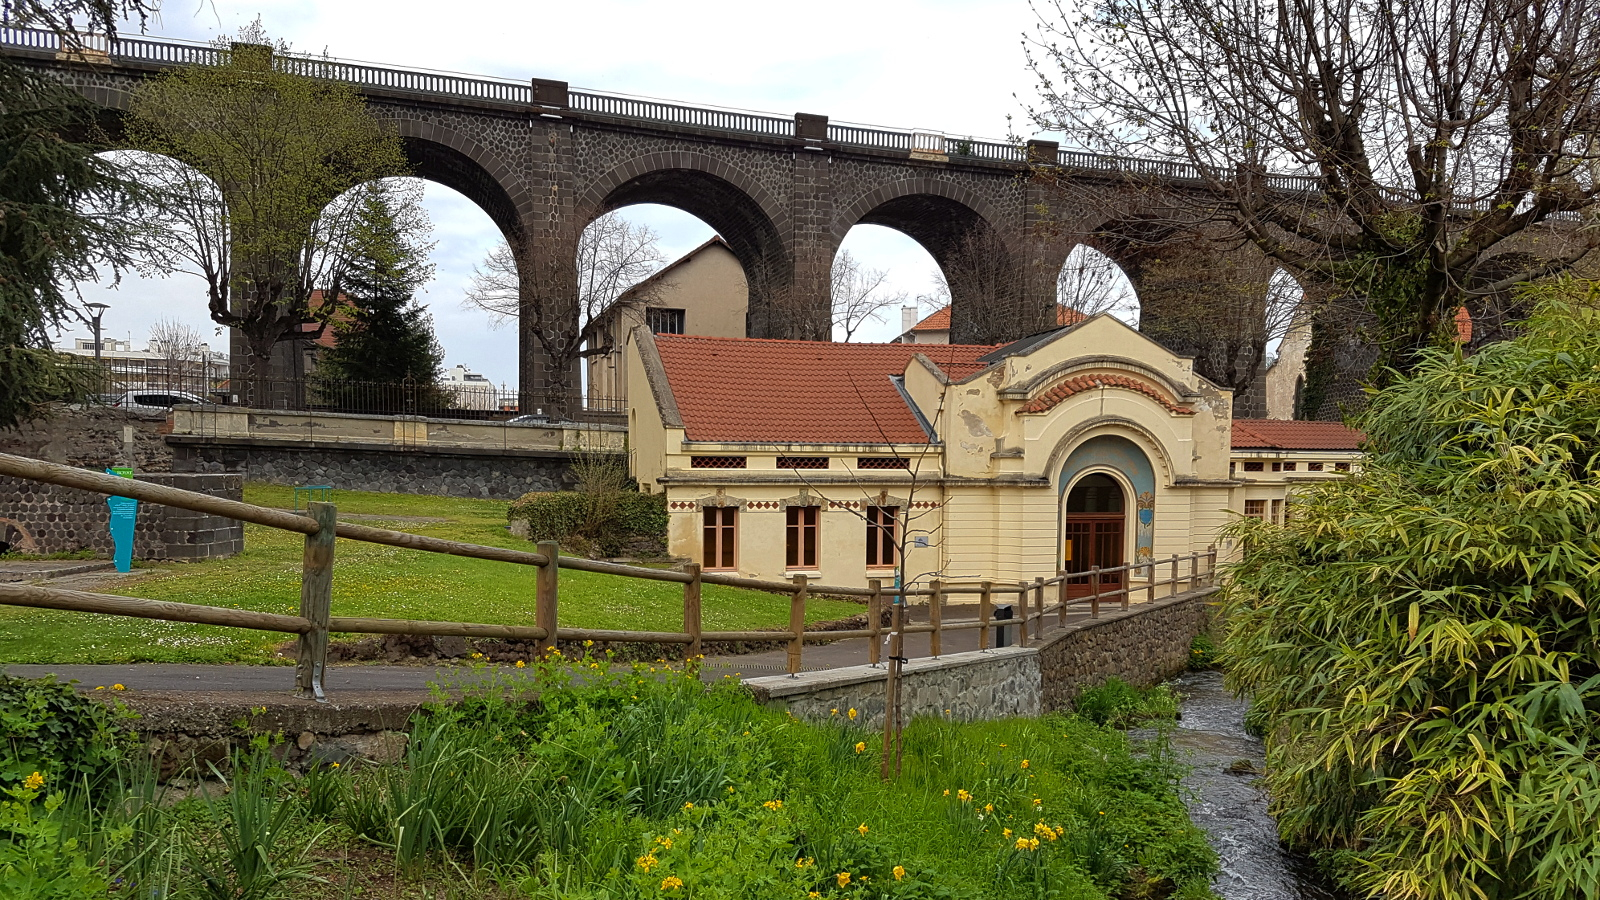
321 528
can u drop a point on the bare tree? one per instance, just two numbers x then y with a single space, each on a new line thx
183 351
614 255
1090 283
860 295
1413 143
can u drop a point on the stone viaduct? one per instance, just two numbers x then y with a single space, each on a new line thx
543 161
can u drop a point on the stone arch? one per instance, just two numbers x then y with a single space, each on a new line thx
445 156
1096 282
983 263
754 224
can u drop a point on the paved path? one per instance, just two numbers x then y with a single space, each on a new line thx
173 677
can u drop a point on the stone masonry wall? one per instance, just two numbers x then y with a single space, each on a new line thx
1143 646
499 477
985 684
46 518
93 438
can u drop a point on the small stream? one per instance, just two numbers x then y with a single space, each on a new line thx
1231 808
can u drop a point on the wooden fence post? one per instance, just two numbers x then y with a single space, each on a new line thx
1094 592
547 585
1174 584
1022 601
1061 597
1038 605
691 610
1194 571
316 601
875 621
1211 566
985 611
936 618
1127 586
797 624
1150 583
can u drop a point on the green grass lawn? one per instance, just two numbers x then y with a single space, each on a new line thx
370 580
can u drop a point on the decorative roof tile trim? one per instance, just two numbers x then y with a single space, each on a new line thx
1077 385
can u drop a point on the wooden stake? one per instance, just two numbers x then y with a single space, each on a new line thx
935 618
1022 601
1094 592
691 610
875 621
546 609
985 611
797 623
316 602
1061 597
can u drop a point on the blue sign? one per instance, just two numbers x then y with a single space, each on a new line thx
124 512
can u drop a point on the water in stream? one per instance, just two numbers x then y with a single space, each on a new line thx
1231 808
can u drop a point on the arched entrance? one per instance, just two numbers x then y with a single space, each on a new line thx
1094 528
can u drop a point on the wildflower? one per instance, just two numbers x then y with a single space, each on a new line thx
964 795
861 746
861 829
843 878
1037 803
773 805
33 782
1024 764
1044 831
814 894
852 713
1102 812
671 883
99 687
833 712
477 656
1002 746
1005 832
521 664
647 862
335 765
947 792
805 862
988 807
588 643
555 651
899 873
666 843
1027 843
118 687
688 806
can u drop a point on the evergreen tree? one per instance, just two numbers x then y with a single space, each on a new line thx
384 333
62 213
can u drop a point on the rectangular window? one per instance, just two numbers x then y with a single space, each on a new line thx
802 462
1341 467
1289 466
882 527
1277 511
801 537
1255 509
1277 467
1313 467
719 537
883 462
1252 466
664 321
716 462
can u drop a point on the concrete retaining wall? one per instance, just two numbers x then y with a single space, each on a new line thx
1144 646
47 518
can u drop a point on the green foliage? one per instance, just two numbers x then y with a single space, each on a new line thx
38 857
62 212
1202 652
251 853
1421 640
1120 704
607 519
49 728
384 333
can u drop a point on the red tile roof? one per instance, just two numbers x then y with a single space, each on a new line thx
749 389
1081 383
939 320
1286 434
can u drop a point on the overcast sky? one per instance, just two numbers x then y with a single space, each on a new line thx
954 66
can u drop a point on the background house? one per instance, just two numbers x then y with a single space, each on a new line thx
935 328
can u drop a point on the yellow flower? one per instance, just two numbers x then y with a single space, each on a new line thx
1027 843
843 878
804 862
688 806
666 843
521 664
335 765
99 687
647 861
773 804
852 712
988 807
833 712
33 782
477 656
671 883
1061 829
1044 831
899 873
1024 764
1005 832
862 828
814 894
588 643
947 792
963 795
861 746
1002 746
118 687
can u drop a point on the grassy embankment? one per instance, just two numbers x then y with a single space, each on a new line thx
369 580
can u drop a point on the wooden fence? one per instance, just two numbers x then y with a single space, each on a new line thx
1038 599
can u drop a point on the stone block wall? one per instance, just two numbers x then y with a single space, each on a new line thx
46 518
94 438
450 474
1143 646
967 687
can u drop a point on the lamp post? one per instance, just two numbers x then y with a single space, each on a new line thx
96 310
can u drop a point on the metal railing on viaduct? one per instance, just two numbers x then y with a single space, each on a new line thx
539 92
1038 599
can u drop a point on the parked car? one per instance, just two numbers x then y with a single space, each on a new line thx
537 419
154 401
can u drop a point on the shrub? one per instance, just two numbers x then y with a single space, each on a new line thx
607 521
47 727
1202 652
1420 639
1119 704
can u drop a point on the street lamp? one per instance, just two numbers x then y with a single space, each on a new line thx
96 310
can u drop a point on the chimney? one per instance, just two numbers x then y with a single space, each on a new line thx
908 318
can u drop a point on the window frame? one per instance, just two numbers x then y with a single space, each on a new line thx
654 314
726 540
796 531
1256 509
883 532
1254 465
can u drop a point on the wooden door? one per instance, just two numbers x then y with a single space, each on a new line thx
1093 534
